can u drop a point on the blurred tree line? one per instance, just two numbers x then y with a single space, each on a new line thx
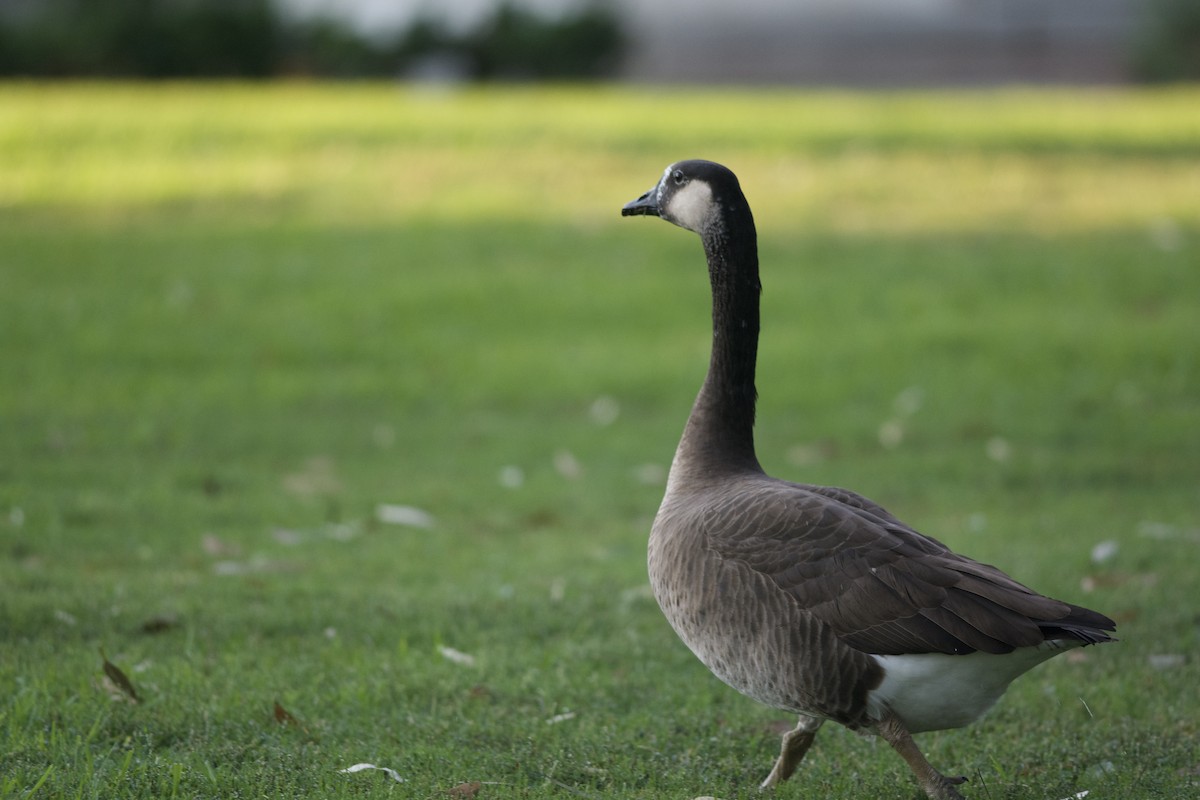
1168 47
251 39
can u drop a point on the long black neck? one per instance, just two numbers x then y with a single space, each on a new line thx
720 431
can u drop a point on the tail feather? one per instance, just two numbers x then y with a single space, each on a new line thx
1081 624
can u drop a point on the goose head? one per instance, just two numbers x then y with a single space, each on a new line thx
693 194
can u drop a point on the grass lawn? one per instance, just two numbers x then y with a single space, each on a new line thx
333 418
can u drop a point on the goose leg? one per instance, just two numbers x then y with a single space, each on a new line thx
795 744
935 784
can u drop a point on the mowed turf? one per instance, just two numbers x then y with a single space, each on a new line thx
333 419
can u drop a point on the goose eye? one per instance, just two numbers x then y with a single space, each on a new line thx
677 176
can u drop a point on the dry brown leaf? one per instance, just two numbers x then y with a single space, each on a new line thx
465 790
160 623
284 717
119 679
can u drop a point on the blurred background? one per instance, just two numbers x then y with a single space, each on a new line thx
337 398
860 43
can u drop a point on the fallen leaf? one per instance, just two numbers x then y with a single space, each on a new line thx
284 717
465 790
361 767
1104 551
1162 531
457 656
604 410
214 545
1166 660
403 515
567 465
160 623
511 477
909 401
256 565
287 536
119 679
998 449
891 434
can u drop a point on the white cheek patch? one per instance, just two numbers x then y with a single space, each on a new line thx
691 207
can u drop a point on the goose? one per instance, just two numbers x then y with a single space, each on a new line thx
812 599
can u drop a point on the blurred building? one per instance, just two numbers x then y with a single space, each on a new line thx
836 42
885 42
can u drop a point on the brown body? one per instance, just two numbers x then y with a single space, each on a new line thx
813 599
738 620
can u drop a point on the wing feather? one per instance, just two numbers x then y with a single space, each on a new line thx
881 586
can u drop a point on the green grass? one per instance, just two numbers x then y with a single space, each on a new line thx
237 319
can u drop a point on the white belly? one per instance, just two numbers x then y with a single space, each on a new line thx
933 691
